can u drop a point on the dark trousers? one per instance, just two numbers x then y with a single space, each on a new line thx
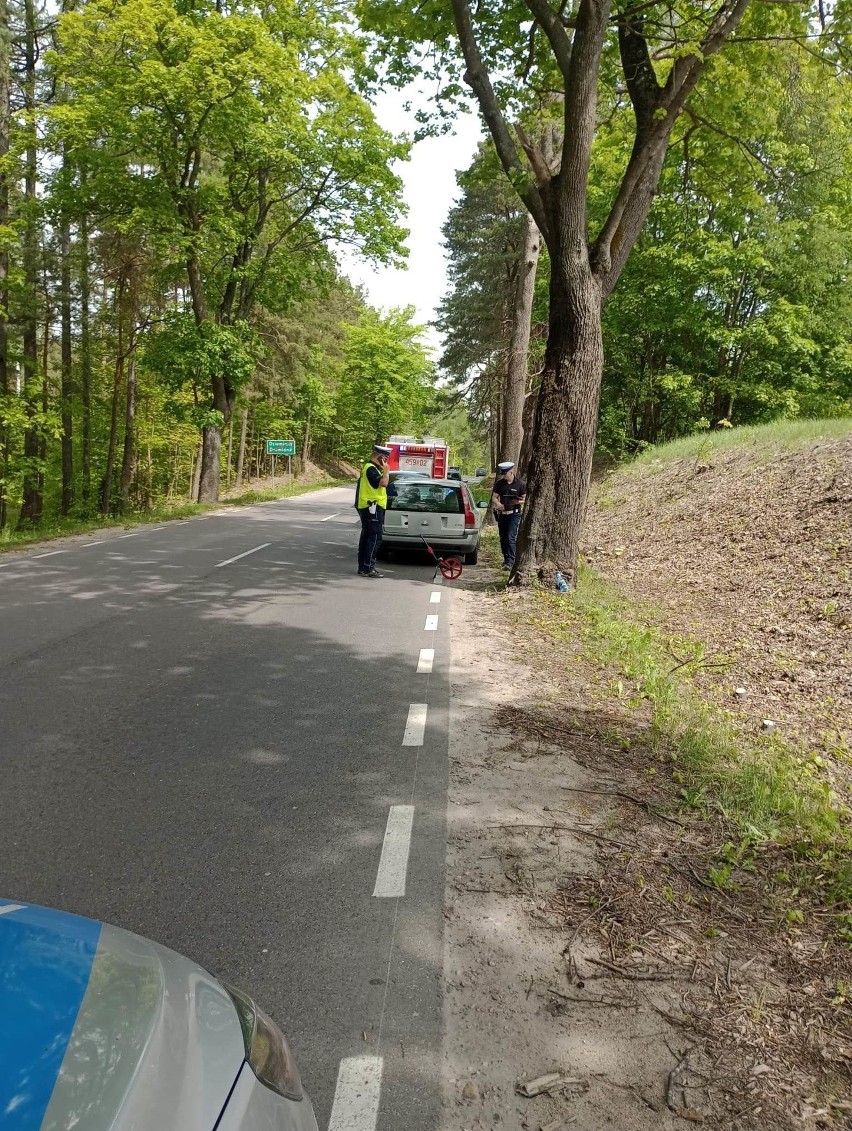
508 525
372 526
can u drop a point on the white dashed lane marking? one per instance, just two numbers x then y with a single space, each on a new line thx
330 517
415 727
255 550
356 1097
52 554
435 599
427 659
8 908
431 624
393 865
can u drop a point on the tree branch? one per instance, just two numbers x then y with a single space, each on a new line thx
554 29
476 76
639 185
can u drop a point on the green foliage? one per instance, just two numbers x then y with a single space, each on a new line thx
385 382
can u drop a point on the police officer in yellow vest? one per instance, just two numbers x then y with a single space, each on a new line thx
372 502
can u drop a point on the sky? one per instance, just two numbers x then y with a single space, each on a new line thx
430 190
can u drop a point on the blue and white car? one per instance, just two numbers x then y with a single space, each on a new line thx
103 1030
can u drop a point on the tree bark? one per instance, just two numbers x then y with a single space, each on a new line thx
118 375
519 343
563 440
211 446
32 504
85 362
242 452
129 453
5 117
66 385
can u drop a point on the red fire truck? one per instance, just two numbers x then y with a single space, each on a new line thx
430 456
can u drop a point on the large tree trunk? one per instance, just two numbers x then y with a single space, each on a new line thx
5 116
85 361
129 453
241 455
118 376
563 441
519 343
31 506
66 387
211 446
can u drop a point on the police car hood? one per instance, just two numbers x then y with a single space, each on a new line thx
103 1030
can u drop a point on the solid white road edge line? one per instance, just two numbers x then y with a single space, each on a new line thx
52 554
415 727
435 599
356 1097
393 865
245 555
431 624
427 659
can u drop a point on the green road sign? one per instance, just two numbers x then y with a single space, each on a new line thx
280 447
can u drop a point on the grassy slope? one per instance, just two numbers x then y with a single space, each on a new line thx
696 578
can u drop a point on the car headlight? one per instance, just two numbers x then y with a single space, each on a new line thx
266 1047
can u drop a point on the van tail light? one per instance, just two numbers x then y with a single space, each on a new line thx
469 515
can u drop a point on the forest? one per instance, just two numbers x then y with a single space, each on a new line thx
174 181
178 179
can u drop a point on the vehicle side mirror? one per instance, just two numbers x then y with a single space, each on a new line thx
483 504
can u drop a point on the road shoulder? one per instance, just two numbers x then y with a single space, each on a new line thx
520 1004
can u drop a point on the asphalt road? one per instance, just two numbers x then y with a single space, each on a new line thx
207 751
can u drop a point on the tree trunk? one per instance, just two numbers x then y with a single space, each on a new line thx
118 374
5 116
519 343
211 446
195 474
66 387
85 362
242 452
563 440
129 453
230 460
31 507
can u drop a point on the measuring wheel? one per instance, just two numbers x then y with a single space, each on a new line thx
451 568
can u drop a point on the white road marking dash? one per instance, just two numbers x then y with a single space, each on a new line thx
435 599
431 623
393 865
427 659
356 1097
10 907
100 542
245 555
52 554
415 727
330 517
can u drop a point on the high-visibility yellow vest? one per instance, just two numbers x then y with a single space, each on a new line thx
368 494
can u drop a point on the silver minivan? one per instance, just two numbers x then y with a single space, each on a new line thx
442 511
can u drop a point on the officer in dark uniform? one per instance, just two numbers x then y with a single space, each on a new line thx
507 498
371 502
